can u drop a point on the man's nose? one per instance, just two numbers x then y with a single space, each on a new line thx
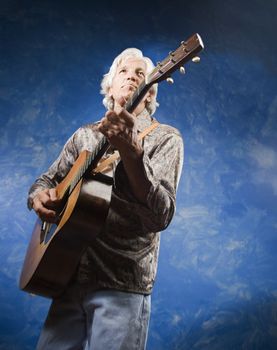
132 76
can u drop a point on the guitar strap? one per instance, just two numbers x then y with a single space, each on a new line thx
115 156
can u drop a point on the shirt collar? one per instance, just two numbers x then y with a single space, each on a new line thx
143 120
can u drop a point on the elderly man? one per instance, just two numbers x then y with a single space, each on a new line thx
107 304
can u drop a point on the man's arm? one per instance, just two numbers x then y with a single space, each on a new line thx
42 194
152 181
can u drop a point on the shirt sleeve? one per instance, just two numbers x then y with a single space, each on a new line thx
163 170
57 171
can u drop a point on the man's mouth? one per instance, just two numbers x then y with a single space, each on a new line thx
129 86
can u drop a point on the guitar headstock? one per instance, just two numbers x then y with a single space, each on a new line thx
175 60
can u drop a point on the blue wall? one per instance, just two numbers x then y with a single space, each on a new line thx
217 282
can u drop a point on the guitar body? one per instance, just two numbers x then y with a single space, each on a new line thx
54 253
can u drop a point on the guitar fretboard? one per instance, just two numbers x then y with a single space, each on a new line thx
90 163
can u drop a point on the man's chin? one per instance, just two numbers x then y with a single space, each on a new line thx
127 96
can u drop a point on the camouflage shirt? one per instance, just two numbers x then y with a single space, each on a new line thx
125 255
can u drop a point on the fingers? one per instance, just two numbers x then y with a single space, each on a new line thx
43 203
53 195
111 128
119 127
46 214
117 121
122 101
127 117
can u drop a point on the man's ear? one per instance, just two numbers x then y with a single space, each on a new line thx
149 96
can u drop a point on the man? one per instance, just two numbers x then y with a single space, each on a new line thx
107 305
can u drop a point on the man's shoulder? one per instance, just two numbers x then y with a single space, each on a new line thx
86 136
88 128
169 129
164 130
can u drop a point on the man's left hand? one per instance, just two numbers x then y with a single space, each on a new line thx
121 131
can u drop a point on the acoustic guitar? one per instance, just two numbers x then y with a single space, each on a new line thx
54 251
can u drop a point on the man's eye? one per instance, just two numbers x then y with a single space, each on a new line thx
122 70
141 73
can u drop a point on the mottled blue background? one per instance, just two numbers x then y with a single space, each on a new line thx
217 282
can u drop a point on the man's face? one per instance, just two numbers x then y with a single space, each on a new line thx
129 74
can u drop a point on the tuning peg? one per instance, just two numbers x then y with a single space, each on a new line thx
172 54
182 70
196 59
170 80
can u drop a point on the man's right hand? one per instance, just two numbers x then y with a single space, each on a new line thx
45 204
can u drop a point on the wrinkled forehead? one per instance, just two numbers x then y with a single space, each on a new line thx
134 62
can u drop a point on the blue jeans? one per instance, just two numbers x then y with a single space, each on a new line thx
99 320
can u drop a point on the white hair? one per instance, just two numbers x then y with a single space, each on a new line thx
107 80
